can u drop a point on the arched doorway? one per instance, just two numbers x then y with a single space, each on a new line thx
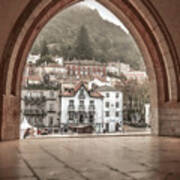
145 25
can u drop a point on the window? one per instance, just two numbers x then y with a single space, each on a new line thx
117 95
51 93
81 106
107 104
50 121
117 114
107 113
81 103
51 107
81 94
107 94
91 118
91 106
71 102
71 116
117 104
71 106
91 102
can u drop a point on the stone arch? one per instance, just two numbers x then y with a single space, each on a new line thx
144 23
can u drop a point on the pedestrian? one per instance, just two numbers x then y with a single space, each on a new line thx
27 133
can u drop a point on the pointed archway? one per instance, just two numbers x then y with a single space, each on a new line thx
150 33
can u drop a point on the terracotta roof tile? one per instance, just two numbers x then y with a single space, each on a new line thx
94 94
34 78
53 65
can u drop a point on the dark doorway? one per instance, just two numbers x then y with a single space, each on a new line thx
91 118
107 127
81 118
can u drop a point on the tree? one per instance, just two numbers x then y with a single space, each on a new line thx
44 49
136 95
67 52
109 42
35 49
45 55
83 49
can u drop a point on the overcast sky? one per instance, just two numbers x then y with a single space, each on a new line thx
105 13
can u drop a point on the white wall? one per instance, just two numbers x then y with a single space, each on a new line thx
97 102
147 113
98 83
112 99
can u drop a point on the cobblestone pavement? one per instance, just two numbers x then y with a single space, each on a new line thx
104 158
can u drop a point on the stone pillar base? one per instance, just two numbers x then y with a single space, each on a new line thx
169 121
154 121
10 118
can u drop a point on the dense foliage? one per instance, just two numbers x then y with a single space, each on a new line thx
136 95
105 40
83 49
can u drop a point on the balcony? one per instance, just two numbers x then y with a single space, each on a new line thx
81 96
91 108
81 108
51 111
34 100
34 112
51 99
71 108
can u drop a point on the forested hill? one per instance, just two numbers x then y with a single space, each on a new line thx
108 41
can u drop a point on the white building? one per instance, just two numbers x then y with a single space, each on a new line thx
59 60
33 58
34 79
124 67
101 108
82 107
40 107
52 69
98 82
117 68
112 108
113 69
113 81
140 76
147 114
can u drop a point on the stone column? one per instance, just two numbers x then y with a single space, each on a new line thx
10 116
169 120
154 120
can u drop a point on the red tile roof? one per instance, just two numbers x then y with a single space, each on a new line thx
96 94
76 89
79 85
54 65
34 78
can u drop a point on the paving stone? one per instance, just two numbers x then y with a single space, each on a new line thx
12 173
114 158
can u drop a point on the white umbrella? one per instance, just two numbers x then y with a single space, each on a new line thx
24 126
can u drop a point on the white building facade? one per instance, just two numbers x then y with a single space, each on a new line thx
112 108
40 107
82 107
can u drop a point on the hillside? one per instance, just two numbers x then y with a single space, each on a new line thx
109 42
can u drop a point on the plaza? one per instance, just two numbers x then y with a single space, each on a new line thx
107 158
